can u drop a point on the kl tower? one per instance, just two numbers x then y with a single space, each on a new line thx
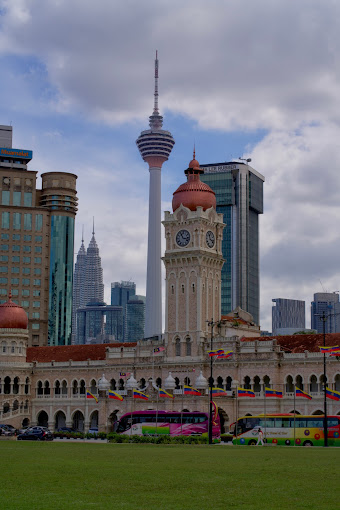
155 145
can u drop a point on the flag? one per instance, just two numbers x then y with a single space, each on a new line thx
158 349
300 393
124 374
335 348
332 394
335 353
215 352
165 394
140 394
225 354
273 393
114 395
191 369
242 392
219 392
89 395
189 390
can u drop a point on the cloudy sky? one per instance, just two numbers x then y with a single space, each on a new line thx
250 78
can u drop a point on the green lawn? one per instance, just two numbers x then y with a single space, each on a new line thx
76 476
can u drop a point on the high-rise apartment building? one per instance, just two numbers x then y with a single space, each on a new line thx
288 313
121 293
239 197
97 321
155 145
134 320
78 287
326 303
37 243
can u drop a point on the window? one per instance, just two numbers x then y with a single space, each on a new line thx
25 292
26 249
36 304
5 197
4 247
15 270
25 281
38 249
15 258
27 237
25 304
28 199
5 220
16 237
37 271
3 292
178 347
3 269
16 247
38 239
26 260
36 315
15 281
38 222
27 221
37 260
3 258
188 347
4 237
37 282
26 270
35 326
17 198
17 221
15 292
3 280
36 293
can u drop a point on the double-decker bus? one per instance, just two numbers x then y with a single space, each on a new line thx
287 429
150 423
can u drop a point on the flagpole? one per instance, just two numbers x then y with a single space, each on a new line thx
131 411
294 412
157 411
182 410
265 411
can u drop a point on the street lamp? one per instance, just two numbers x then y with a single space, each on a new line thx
212 324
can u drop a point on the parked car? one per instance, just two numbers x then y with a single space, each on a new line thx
94 431
6 430
35 434
65 429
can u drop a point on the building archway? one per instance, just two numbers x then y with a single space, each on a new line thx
25 422
94 420
318 412
60 420
78 421
42 419
113 418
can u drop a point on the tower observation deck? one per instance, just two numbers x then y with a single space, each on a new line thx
155 145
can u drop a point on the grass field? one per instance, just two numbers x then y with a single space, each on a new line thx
62 476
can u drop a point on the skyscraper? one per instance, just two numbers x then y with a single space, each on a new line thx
239 197
37 243
288 313
155 146
97 321
327 303
78 299
135 320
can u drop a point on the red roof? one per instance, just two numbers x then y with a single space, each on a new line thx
71 352
300 343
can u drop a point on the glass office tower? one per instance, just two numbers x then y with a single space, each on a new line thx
239 197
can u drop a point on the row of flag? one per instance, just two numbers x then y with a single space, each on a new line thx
333 351
269 392
220 353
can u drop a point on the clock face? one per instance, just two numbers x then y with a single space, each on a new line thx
183 238
210 238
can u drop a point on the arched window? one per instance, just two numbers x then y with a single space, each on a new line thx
13 344
27 383
15 405
313 385
183 289
64 388
121 384
93 388
289 384
228 383
322 382
75 388
6 408
4 347
188 346
177 347
40 388
317 413
193 288
247 384
142 383
7 385
57 388
16 385
47 389
113 384
337 382
187 381
220 382
82 387
211 382
177 387
299 382
266 381
257 384
172 289
158 382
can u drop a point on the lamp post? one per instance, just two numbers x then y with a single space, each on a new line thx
324 318
211 324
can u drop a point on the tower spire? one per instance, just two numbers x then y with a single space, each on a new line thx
93 227
155 107
82 235
156 120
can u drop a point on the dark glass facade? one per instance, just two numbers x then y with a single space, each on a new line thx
61 279
239 197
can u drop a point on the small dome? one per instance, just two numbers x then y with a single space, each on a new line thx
12 316
131 383
201 382
103 384
194 193
169 383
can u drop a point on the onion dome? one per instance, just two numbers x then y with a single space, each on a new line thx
201 382
131 383
194 193
169 383
103 384
12 316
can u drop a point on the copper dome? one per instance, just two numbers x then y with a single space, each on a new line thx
194 193
12 316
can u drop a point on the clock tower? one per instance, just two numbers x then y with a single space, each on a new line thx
193 262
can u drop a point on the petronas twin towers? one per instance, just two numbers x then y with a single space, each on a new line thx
88 284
